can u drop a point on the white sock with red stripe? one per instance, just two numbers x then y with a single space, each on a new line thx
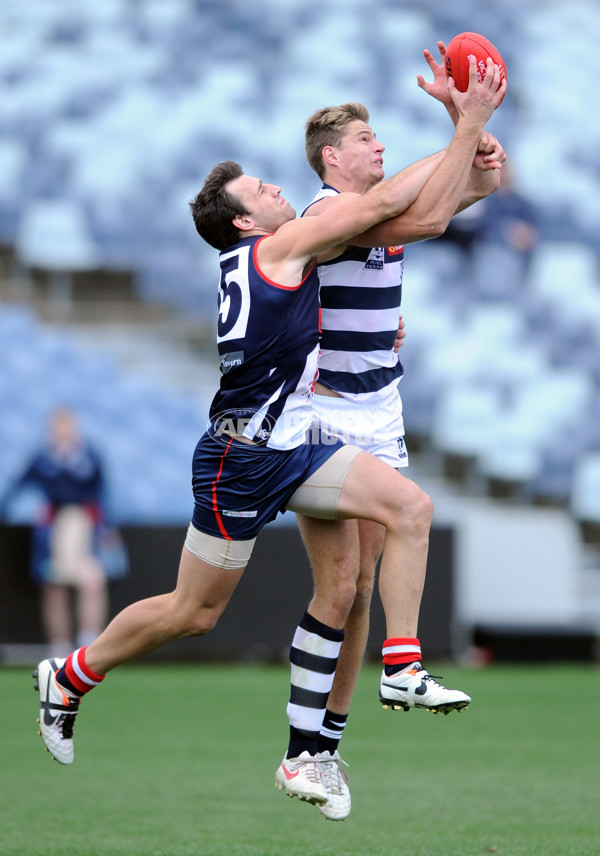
76 677
400 653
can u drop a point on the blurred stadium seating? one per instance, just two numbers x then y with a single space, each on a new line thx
112 112
145 432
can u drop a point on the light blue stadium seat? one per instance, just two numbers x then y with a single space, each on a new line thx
541 409
464 415
585 492
53 235
13 162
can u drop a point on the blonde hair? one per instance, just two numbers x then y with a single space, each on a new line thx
326 127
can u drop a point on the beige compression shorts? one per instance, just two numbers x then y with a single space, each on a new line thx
318 497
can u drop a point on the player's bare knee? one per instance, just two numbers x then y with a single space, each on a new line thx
201 623
364 593
414 513
420 514
332 604
341 596
185 617
346 593
424 509
365 582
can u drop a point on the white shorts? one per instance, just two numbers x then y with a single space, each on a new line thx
375 427
71 545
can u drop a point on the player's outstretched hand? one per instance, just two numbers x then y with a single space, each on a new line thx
480 99
439 88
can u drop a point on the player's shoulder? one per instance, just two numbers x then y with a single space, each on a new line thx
326 203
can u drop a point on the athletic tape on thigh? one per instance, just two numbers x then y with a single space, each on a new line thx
219 552
319 496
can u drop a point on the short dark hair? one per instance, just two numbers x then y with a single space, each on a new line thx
327 127
214 208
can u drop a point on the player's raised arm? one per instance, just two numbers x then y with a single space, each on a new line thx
442 193
394 231
490 155
300 240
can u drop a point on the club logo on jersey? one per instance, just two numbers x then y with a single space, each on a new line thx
395 251
231 361
375 260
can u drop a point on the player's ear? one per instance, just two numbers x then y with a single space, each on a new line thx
329 154
243 222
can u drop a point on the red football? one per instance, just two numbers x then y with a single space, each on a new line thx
457 58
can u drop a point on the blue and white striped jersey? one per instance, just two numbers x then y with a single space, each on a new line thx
268 341
361 291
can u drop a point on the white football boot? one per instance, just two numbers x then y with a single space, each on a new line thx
301 777
335 782
57 712
415 687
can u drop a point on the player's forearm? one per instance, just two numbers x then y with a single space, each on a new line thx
409 182
481 183
434 205
398 193
438 200
414 178
442 193
419 172
452 112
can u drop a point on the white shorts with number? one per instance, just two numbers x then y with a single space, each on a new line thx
377 428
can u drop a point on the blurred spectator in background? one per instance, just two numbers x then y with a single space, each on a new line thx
496 238
74 550
510 234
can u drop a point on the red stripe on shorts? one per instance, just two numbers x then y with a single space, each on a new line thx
214 495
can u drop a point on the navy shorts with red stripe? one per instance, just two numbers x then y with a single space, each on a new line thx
239 488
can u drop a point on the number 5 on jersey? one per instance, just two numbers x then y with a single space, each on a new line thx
234 295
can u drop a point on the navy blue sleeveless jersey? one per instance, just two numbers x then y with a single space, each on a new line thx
268 340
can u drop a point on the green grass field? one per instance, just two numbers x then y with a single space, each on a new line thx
179 760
